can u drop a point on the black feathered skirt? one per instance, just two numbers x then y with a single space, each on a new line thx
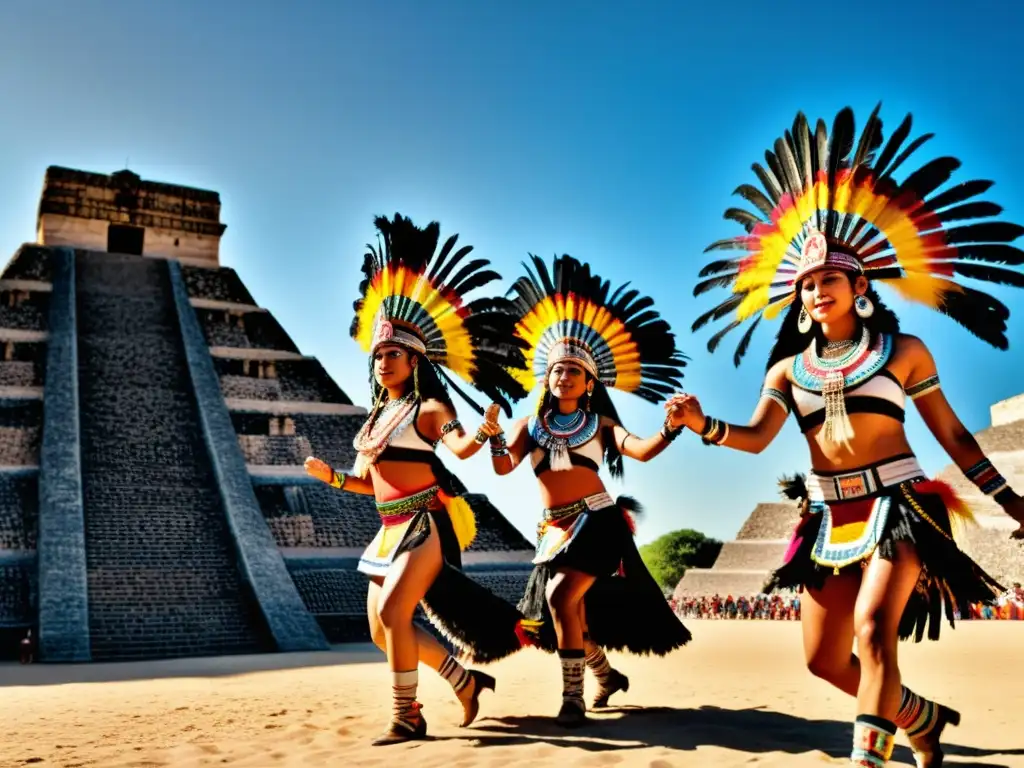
853 514
625 608
480 624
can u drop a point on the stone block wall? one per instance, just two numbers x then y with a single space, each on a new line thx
265 332
24 312
222 329
272 380
1002 438
278 450
508 585
993 550
221 284
770 521
22 364
31 262
1008 411
20 432
17 587
243 330
19 510
316 515
250 388
750 555
334 591
701 582
328 437
494 533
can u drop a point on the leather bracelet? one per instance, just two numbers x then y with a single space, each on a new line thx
667 433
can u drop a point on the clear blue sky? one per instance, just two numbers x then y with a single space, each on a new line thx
613 133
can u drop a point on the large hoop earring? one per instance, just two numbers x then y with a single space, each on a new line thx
804 321
863 306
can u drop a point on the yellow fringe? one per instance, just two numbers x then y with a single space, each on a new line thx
462 517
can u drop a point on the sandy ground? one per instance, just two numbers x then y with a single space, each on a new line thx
737 696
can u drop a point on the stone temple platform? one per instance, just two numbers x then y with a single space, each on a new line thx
744 563
153 423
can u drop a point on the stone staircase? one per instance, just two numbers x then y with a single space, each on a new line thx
162 573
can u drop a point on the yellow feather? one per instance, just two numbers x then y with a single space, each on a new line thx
463 519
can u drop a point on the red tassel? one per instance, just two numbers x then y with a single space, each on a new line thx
949 496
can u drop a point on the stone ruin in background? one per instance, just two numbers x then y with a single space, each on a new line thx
153 424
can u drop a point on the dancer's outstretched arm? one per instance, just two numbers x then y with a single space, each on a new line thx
923 387
442 422
646 448
769 415
323 471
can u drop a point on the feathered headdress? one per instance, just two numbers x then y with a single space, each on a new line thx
828 202
416 298
616 337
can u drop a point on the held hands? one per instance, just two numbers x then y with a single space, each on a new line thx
684 411
491 427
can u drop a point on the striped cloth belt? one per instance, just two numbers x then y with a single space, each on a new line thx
841 486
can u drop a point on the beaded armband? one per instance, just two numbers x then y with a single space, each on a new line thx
989 481
667 433
715 431
777 397
481 436
451 426
923 387
337 479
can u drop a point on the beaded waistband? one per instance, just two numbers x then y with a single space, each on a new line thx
593 503
858 483
402 507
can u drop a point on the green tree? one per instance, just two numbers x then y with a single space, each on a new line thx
668 556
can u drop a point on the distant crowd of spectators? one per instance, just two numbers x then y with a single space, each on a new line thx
1009 607
761 606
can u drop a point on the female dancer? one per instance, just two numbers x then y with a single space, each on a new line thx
579 341
413 322
875 547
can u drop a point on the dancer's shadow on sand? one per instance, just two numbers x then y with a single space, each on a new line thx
755 730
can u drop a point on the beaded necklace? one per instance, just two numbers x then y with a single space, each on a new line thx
557 433
377 433
830 376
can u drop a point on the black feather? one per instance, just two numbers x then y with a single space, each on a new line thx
741 348
957 194
755 197
719 266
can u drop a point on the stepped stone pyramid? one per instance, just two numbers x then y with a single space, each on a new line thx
743 565
153 424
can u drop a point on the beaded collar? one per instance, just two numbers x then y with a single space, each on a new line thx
558 433
864 360
370 442
831 376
